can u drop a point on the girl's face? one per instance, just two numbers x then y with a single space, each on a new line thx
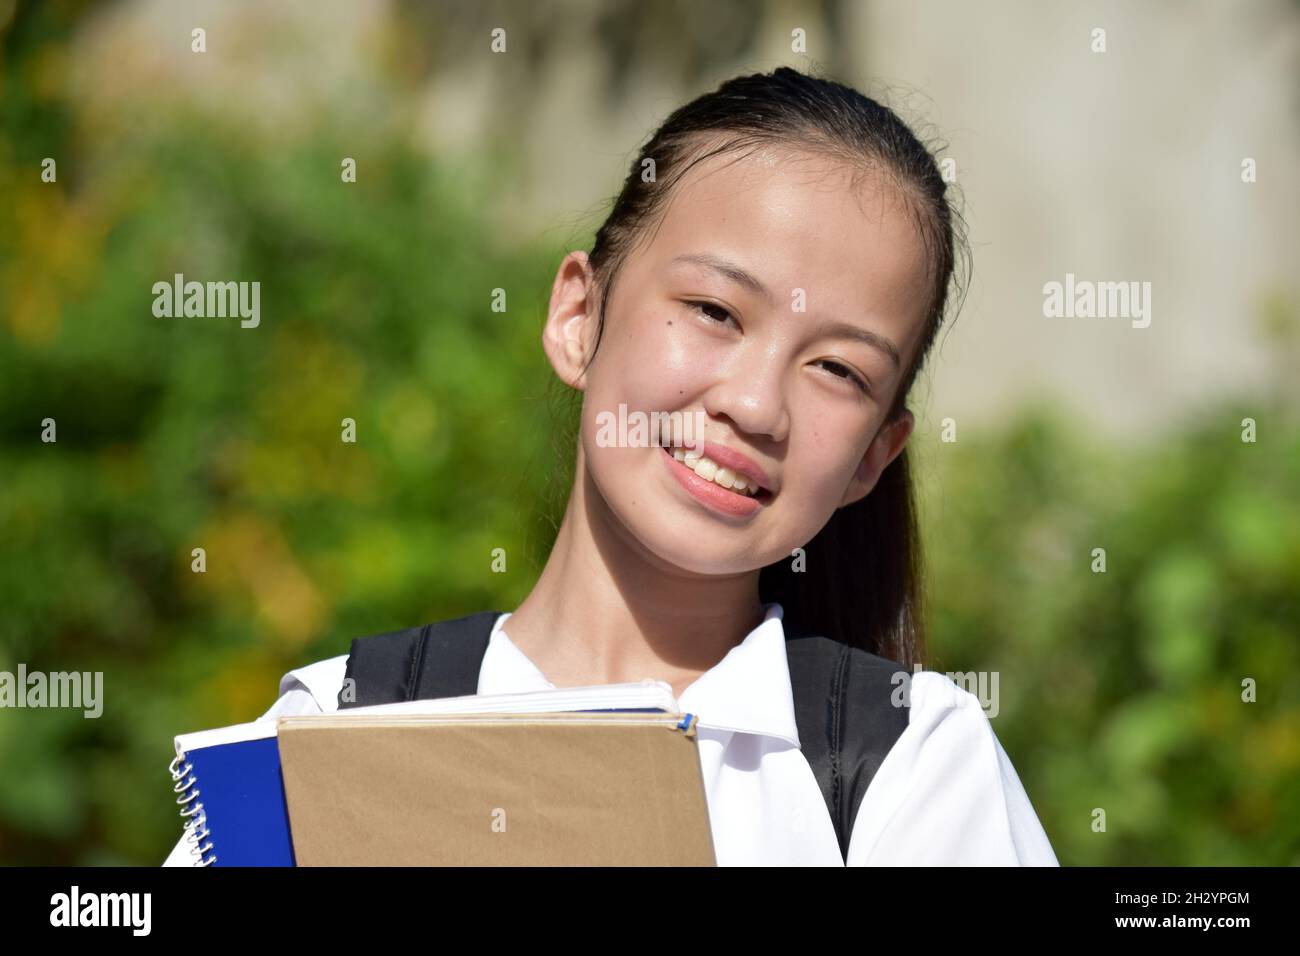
781 303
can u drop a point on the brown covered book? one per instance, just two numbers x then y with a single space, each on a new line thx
392 786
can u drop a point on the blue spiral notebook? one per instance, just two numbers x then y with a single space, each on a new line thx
230 787
231 795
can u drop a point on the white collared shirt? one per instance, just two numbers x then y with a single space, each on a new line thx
945 794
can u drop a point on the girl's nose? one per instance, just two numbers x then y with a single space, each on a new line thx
752 394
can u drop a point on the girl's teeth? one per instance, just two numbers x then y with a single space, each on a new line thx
709 471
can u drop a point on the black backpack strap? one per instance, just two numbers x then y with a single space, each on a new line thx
387 668
846 719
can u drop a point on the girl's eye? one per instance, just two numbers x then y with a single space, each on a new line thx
843 371
838 369
693 304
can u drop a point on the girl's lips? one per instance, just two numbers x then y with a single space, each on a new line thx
711 493
738 462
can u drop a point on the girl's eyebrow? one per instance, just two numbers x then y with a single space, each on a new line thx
742 278
866 336
729 269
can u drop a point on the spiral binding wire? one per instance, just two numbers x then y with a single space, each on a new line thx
196 829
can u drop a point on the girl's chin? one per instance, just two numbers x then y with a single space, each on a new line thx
696 562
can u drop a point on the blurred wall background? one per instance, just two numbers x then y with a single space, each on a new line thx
476 171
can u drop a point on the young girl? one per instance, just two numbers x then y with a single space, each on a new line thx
777 265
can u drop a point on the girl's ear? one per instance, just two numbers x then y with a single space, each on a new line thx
571 321
884 448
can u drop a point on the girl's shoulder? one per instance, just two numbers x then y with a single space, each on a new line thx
947 722
936 693
311 689
947 792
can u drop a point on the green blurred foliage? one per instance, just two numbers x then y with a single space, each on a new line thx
1123 689
173 434
1119 690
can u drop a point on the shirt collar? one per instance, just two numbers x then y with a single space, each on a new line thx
748 691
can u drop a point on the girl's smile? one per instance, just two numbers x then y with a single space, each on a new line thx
710 481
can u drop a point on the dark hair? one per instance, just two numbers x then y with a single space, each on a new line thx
862 583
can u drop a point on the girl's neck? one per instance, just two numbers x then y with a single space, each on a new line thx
605 610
